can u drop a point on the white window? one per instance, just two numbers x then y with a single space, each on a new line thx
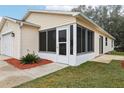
47 40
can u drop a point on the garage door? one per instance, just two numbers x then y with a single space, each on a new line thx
7 44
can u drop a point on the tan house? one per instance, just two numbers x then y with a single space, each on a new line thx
64 37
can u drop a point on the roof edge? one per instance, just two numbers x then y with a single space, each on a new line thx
105 32
50 12
17 21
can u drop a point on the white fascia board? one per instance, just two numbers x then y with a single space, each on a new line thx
10 19
50 12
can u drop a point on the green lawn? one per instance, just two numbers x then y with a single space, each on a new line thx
116 53
89 74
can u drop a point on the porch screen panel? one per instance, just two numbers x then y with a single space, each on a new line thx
42 41
106 41
83 39
47 40
71 39
78 39
90 41
52 40
62 36
62 48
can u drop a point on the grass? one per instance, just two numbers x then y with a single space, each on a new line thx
116 53
89 74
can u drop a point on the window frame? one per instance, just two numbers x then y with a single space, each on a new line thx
86 41
90 42
112 43
106 41
40 41
46 31
71 39
78 51
48 40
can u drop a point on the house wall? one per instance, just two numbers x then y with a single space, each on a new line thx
48 55
81 58
88 25
54 56
108 47
26 38
47 21
10 26
29 40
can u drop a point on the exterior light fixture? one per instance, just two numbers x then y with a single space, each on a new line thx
13 34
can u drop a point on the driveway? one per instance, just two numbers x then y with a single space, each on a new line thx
11 76
107 58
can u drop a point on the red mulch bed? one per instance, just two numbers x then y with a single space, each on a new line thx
17 63
122 64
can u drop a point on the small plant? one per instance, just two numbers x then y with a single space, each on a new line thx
30 59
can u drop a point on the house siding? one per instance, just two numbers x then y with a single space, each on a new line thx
10 26
47 21
108 47
29 40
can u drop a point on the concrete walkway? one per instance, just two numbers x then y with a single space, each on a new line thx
107 58
11 76
2 57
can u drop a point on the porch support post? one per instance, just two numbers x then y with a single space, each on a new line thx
72 58
75 39
86 40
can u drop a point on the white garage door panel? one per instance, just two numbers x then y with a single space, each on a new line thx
7 44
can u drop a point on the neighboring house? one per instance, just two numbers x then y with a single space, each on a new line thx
64 37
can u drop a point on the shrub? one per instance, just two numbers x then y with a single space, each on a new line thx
30 59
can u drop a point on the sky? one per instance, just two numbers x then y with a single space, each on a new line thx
19 11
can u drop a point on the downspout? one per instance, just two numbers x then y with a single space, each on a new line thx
20 49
